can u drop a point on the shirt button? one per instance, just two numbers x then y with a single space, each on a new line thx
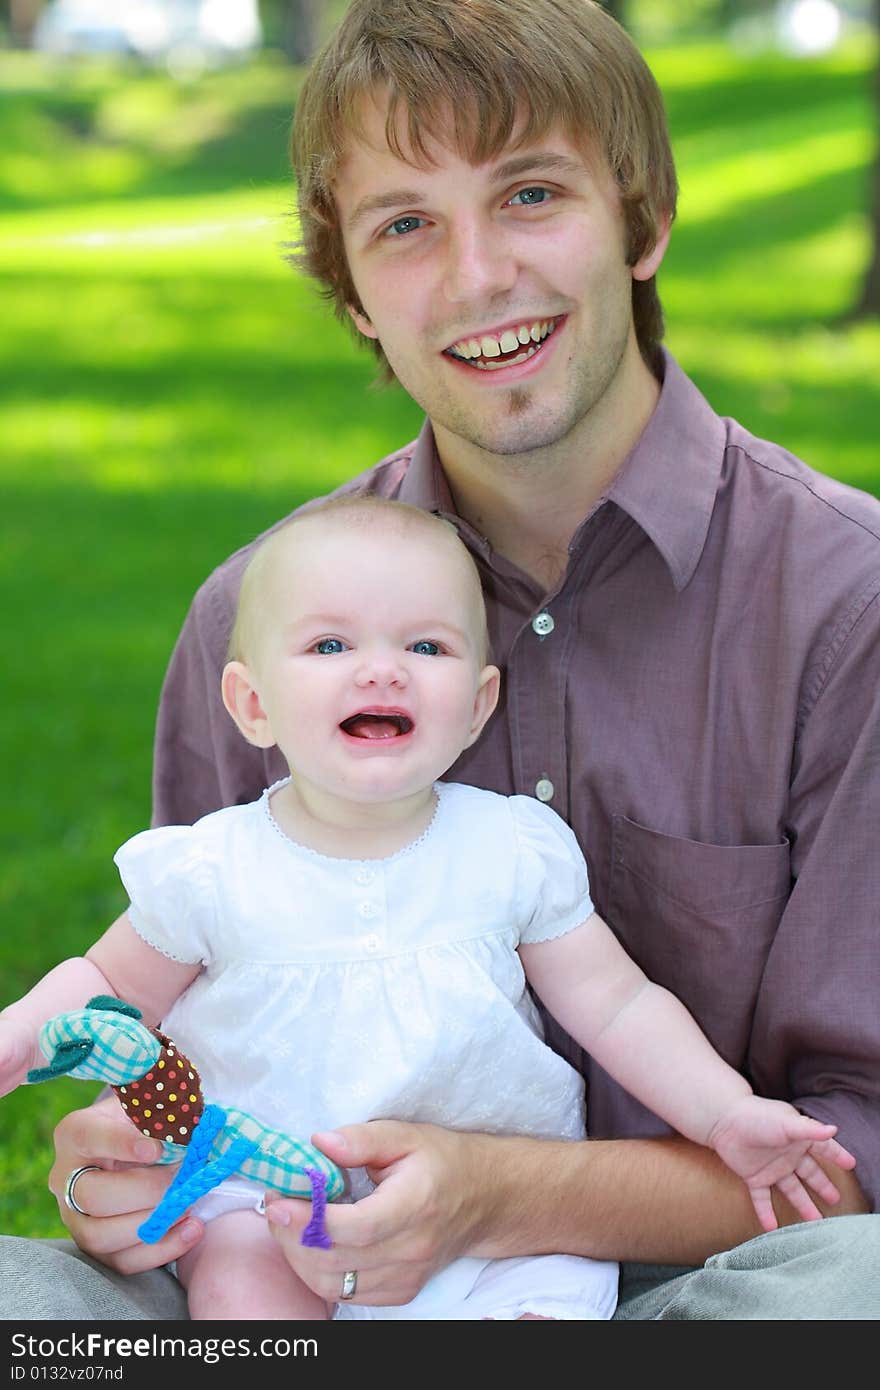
543 624
544 789
364 874
368 910
371 943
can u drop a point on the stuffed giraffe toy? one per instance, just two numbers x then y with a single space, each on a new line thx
160 1091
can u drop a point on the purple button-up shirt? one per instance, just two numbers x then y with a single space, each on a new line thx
700 698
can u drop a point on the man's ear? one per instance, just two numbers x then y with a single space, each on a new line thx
242 699
485 701
649 264
361 322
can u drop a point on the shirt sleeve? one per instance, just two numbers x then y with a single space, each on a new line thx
816 1034
170 883
552 888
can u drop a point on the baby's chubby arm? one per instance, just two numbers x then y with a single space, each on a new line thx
646 1039
119 963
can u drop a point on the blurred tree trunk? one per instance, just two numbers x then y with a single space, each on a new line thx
23 15
868 300
302 29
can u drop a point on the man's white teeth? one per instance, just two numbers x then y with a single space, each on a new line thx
491 345
509 362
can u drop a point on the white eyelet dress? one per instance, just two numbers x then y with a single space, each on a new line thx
336 990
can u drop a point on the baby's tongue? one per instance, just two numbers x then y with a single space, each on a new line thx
372 726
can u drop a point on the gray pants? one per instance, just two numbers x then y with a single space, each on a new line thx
818 1270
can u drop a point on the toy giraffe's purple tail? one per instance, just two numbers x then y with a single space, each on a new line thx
315 1234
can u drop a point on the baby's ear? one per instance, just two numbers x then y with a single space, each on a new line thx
485 700
242 700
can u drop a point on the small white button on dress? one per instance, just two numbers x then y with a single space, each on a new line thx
371 943
543 624
368 910
364 874
544 789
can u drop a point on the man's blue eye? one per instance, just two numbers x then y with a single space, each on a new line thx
402 225
530 197
426 648
329 646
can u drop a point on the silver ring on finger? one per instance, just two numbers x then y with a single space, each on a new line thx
69 1198
349 1283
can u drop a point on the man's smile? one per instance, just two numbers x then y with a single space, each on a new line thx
504 347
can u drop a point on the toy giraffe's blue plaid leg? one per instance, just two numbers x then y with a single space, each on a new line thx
196 1175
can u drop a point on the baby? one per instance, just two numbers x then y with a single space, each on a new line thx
358 943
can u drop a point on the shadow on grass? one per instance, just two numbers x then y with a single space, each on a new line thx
754 93
766 222
176 329
232 129
226 130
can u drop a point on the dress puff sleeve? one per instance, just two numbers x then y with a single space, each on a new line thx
169 881
552 886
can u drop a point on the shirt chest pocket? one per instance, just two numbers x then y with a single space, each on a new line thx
700 919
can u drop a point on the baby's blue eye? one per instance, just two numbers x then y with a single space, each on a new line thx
530 197
425 648
329 646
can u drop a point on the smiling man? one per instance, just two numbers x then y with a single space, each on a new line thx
688 624
532 249
499 293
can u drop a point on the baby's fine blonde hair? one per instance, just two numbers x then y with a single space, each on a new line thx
358 511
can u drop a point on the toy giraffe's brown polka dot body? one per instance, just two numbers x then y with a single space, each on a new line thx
167 1102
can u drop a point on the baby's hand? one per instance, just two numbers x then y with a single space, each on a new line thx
16 1054
770 1144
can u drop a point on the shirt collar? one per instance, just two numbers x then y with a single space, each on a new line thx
424 483
667 483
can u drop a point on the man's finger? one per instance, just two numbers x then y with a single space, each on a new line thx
115 1242
291 1213
115 1192
374 1144
102 1134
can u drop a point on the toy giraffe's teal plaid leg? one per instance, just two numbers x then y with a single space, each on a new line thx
197 1175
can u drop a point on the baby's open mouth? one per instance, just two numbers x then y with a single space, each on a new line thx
375 726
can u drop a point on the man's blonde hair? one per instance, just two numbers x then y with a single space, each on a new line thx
490 63
360 511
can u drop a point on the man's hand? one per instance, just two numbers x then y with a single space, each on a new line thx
121 1197
434 1190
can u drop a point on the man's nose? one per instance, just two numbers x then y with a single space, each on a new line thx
479 263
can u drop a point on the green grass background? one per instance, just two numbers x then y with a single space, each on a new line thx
170 387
